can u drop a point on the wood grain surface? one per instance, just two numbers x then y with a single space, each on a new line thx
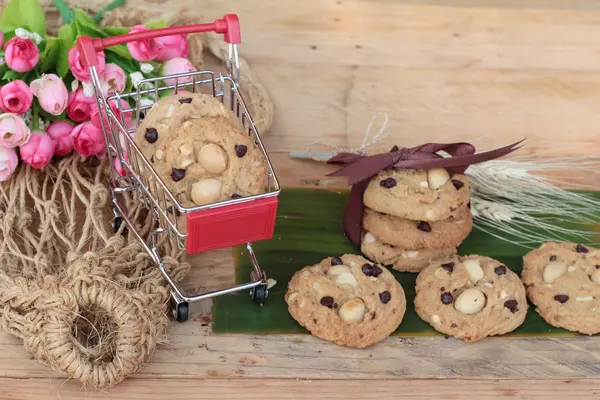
489 72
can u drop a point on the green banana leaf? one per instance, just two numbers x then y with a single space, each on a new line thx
309 229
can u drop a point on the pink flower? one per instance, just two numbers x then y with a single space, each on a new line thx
13 130
172 46
80 107
15 97
114 79
88 140
82 72
95 117
8 163
177 65
143 50
21 55
38 151
118 167
51 93
61 134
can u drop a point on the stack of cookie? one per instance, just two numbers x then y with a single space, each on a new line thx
414 217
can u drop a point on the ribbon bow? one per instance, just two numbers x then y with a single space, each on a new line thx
361 168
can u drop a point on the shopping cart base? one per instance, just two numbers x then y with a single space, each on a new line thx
259 294
180 311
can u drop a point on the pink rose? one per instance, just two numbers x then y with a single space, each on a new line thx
13 130
61 133
95 117
114 79
177 65
80 107
51 93
143 50
119 167
21 55
88 140
8 163
38 151
82 72
172 46
15 97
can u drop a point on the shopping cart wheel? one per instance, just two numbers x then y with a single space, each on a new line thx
259 294
180 311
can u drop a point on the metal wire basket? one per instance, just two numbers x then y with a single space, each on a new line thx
194 229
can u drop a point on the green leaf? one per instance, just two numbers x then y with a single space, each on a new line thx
115 30
11 75
47 116
25 14
50 55
116 3
156 24
85 25
121 50
67 41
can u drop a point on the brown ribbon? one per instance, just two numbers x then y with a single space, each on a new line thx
360 169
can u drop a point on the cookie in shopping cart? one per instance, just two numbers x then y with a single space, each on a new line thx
347 300
208 160
165 117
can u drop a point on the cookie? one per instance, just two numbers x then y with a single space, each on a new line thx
411 234
406 260
346 300
563 282
470 297
208 160
165 116
417 194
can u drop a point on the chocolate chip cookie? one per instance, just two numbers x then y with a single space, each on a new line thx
346 300
417 194
409 234
406 260
165 117
470 297
563 281
209 160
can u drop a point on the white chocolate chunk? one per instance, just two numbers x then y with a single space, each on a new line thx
206 191
474 269
503 295
352 311
292 297
316 285
213 158
430 215
305 274
435 319
471 301
596 277
571 268
170 111
586 298
436 177
369 238
160 152
553 271
346 279
410 254
186 149
424 184
337 270
488 285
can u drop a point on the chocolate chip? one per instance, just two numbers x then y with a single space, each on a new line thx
236 196
336 261
581 249
186 100
469 205
335 306
442 289
177 174
377 271
512 305
448 266
453 325
446 298
367 269
561 298
173 211
152 158
597 266
373 314
395 148
500 270
385 297
240 150
327 301
388 183
151 135
457 184
552 258
424 226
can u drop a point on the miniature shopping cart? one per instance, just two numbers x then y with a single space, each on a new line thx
219 225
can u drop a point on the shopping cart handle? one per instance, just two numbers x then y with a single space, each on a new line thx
229 26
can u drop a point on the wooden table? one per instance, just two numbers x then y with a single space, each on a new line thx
442 71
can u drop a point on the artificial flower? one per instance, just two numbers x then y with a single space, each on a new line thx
38 150
21 55
143 50
80 71
114 79
80 107
61 133
127 117
15 97
8 163
88 140
13 130
172 47
177 65
51 93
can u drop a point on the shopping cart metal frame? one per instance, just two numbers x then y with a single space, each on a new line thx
133 173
